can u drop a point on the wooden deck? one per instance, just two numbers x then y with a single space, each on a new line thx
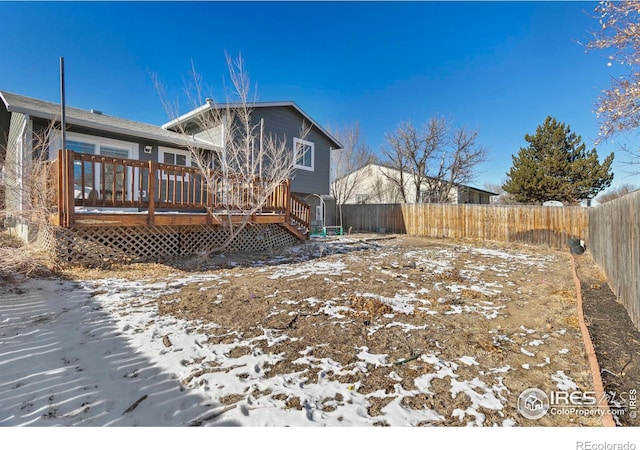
102 191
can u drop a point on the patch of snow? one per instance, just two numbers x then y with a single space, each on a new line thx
469 361
376 360
307 269
564 382
526 352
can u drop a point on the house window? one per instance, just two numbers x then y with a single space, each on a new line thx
428 197
81 147
361 198
303 154
114 175
176 158
113 151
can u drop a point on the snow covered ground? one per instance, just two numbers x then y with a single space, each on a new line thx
70 357
99 352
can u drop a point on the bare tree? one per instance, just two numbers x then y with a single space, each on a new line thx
404 142
346 176
618 108
617 192
503 197
434 159
384 192
249 166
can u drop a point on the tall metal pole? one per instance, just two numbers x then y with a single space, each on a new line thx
63 122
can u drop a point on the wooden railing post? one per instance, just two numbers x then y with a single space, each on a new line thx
151 193
68 188
287 199
61 188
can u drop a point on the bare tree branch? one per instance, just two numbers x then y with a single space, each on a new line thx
432 160
617 192
346 176
248 166
618 107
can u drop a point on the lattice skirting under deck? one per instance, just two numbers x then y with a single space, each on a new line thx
98 246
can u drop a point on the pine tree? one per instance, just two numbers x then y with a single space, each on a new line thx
557 166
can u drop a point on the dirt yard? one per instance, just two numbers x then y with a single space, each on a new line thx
437 332
616 341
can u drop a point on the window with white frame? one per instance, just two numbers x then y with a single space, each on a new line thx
303 154
362 198
174 157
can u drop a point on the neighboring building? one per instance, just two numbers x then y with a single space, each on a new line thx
312 154
375 185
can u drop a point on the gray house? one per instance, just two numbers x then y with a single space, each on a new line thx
23 120
283 120
26 132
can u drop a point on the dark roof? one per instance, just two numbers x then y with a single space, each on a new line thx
212 105
95 120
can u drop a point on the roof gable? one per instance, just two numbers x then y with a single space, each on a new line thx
286 104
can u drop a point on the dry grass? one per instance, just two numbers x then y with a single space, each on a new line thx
18 260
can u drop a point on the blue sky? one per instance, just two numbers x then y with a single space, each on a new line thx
497 67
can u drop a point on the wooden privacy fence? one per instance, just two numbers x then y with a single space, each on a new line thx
615 246
537 225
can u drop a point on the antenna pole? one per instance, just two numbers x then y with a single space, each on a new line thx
63 122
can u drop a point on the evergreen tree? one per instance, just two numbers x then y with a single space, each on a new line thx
557 166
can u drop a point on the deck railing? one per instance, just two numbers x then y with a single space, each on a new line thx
96 181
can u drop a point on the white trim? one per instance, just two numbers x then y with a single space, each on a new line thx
297 141
207 106
55 142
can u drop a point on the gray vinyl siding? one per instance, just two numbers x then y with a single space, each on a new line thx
12 190
284 122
